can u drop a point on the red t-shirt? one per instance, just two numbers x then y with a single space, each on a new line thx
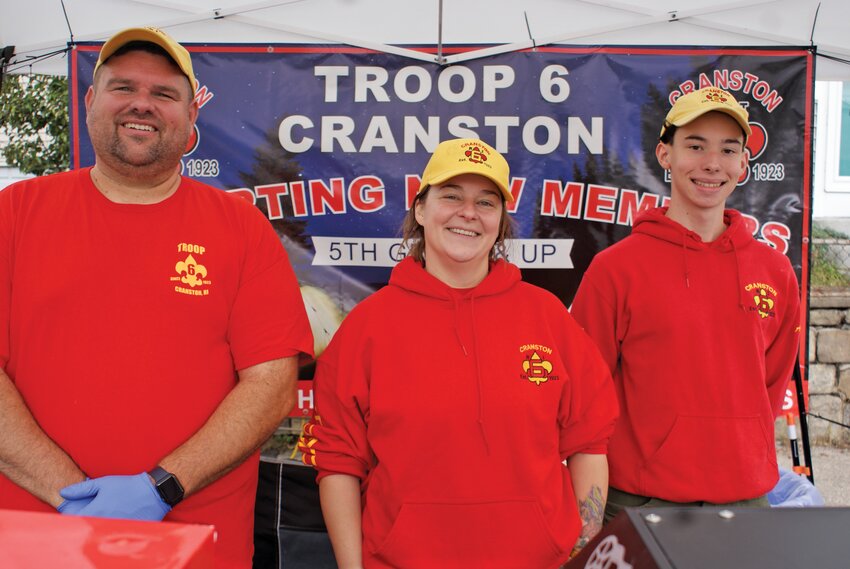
123 325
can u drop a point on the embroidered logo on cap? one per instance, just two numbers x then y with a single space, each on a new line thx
715 96
476 154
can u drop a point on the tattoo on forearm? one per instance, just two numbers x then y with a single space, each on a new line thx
591 510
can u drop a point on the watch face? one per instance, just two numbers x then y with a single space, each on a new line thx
168 486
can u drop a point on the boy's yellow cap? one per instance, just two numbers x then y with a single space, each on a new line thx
695 104
467 156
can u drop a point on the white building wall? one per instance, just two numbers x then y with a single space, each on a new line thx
10 175
831 192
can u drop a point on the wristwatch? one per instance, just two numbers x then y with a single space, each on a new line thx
169 488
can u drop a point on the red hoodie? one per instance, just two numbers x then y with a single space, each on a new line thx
456 409
701 339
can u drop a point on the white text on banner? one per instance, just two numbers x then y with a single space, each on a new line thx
540 253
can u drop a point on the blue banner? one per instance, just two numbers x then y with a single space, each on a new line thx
329 142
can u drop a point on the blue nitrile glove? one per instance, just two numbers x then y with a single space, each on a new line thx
124 497
73 507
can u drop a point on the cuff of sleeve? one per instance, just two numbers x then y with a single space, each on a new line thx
350 467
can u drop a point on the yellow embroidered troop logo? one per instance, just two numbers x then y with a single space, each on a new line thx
191 273
536 368
475 154
764 299
715 96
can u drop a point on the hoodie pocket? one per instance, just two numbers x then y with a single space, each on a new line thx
715 459
504 534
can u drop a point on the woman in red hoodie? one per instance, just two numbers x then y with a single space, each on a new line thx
447 402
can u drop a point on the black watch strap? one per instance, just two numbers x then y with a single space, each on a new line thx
169 488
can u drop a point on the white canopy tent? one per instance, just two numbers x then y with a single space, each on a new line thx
39 27
41 30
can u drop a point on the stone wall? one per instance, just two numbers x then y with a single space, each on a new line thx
829 366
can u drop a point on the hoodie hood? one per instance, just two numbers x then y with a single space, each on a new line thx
654 223
411 276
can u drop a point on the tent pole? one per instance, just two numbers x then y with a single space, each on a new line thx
804 424
440 59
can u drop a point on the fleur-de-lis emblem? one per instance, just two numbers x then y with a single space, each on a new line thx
191 272
537 369
763 303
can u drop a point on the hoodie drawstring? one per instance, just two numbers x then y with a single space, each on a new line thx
741 300
654 223
457 327
478 385
410 278
479 389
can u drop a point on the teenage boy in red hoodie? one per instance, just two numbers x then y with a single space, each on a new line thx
699 324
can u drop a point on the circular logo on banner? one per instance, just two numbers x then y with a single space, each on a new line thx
194 139
757 141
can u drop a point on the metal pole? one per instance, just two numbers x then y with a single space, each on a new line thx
440 59
804 427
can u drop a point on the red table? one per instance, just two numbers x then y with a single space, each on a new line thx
30 540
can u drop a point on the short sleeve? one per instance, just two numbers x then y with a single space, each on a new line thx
594 309
588 419
7 225
268 320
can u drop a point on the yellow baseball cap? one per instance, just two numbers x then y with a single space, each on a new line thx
467 156
695 104
156 36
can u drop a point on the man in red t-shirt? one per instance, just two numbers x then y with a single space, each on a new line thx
150 325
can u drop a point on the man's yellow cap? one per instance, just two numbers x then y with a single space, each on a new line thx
156 36
695 104
467 156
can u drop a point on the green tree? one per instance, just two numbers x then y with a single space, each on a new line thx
34 117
